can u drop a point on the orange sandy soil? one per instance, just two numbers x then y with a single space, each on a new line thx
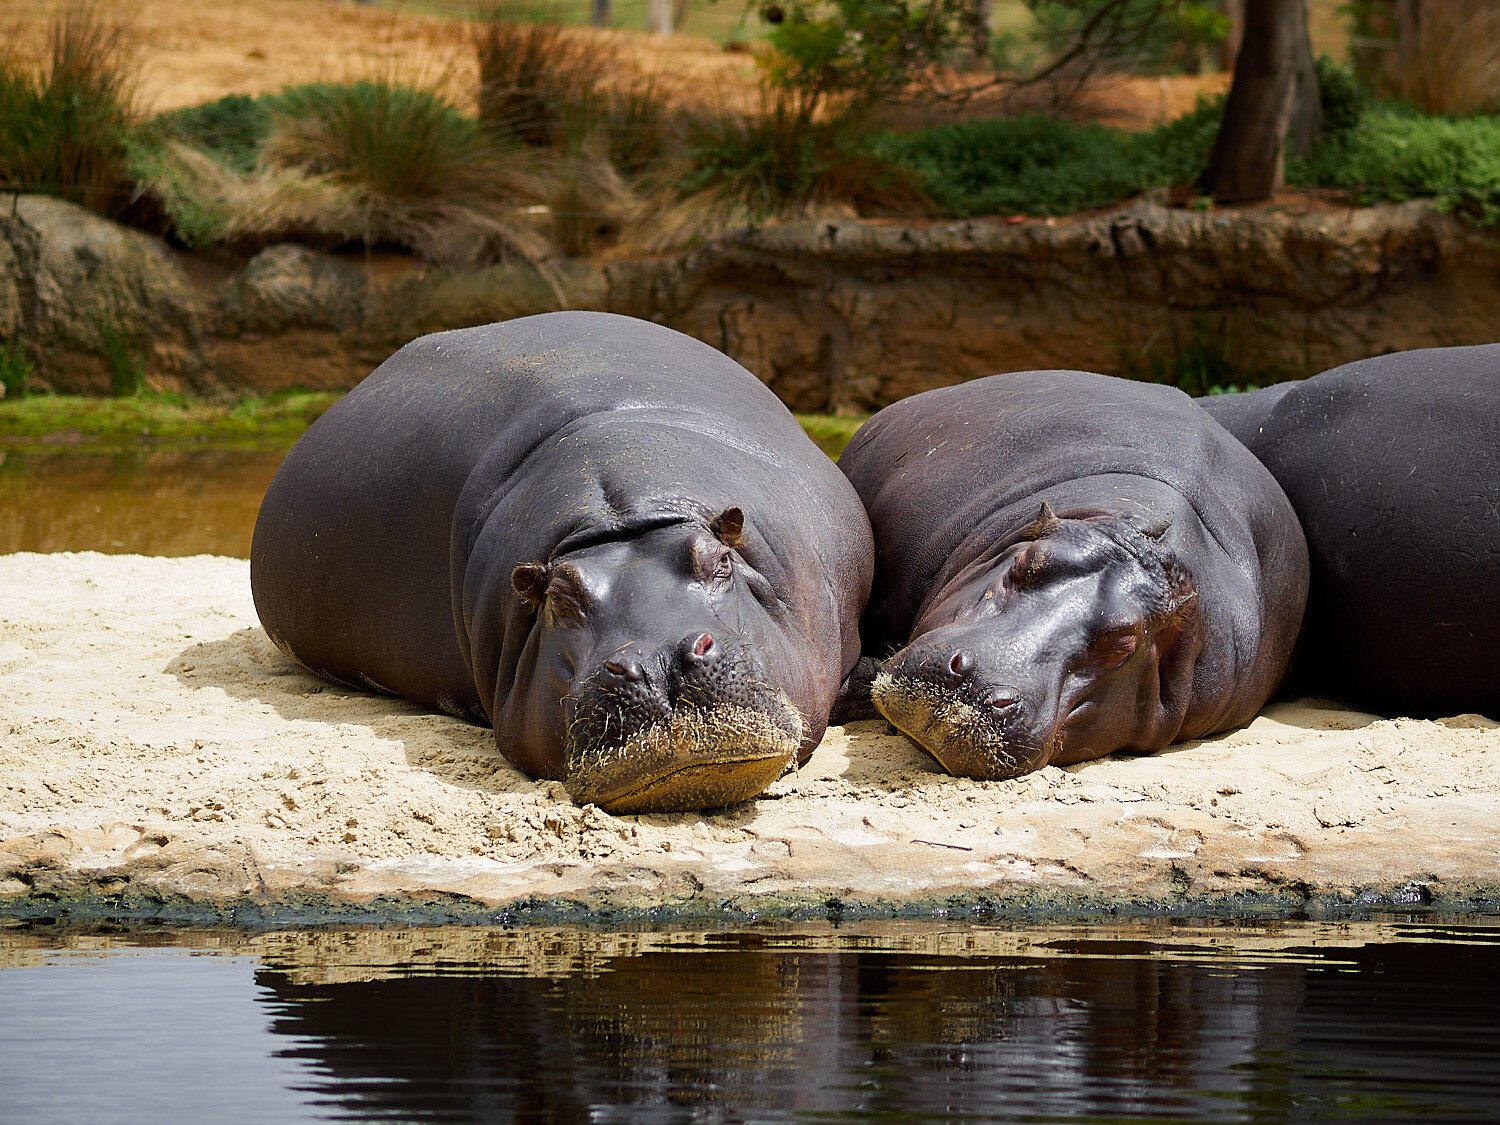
198 51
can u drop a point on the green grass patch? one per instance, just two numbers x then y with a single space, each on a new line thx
50 421
65 126
232 129
47 421
830 432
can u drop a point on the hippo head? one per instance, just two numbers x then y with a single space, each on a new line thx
651 667
1076 639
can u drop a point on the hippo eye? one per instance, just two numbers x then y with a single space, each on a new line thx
1115 647
563 601
724 568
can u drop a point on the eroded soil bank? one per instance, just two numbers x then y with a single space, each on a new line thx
159 757
841 316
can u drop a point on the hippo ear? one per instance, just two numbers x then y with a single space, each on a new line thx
530 581
1046 521
1157 529
729 526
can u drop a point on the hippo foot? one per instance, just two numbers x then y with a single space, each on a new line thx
694 760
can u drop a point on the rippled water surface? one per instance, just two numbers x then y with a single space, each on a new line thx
150 501
1147 1022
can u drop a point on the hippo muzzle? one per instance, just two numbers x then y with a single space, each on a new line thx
700 726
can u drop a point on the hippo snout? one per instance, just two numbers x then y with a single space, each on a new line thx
700 724
974 728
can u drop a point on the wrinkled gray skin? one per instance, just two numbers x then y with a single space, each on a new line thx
1393 467
1068 565
603 537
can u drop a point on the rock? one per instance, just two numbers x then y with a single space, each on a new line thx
10 293
89 287
844 316
289 286
851 315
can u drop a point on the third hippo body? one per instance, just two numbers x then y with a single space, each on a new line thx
602 536
1070 564
1393 466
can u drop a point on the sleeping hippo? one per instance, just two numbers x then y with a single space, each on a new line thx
601 536
1068 565
1393 466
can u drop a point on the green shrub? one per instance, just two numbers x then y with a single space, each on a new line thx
127 363
232 129
1042 166
64 127
1395 154
781 159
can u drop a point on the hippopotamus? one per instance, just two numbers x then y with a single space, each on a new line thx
1067 565
605 538
1393 467
1243 412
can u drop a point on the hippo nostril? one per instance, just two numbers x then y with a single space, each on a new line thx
1001 702
703 649
961 664
626 670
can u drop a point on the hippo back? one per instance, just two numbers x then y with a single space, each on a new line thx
1393 466
1242 414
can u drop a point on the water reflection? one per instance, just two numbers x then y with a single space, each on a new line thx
474 1025
153 501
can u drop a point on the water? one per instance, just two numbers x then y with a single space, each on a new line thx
146 500
888 1023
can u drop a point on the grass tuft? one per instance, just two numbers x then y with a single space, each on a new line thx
1455 68
413 171
65 126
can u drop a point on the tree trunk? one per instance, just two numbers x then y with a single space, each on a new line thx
1234 11
599 13
979 42
1248 160
1307 105
659 16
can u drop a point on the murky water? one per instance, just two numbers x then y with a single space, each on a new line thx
1147 1022
151 501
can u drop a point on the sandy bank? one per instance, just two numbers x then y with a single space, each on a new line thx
158 754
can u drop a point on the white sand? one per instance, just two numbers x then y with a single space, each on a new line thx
153 743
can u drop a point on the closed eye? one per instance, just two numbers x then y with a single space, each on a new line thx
1115 647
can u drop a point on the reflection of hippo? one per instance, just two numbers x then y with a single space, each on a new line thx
600 535
1075 565
1393 465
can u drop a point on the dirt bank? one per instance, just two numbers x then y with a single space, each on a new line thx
158 754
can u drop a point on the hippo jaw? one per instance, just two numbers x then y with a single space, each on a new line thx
692 758
966 738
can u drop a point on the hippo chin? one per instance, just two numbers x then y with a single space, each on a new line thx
1077 639
1068 565
602 537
